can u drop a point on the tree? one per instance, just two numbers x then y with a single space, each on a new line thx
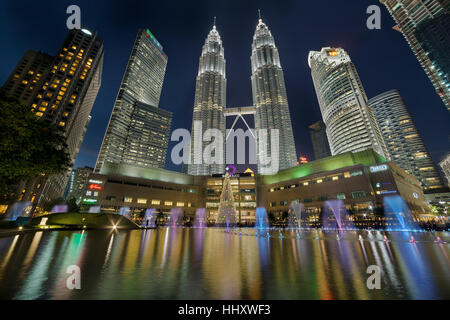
29 147
227 211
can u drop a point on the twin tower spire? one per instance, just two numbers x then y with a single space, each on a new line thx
269 100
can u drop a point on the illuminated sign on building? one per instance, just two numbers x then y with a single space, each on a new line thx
95 181
153 39
95 186
88 200
382 167
332 53
230 169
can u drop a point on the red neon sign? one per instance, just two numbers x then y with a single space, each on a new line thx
95 186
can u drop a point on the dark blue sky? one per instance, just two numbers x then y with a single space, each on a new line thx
382 57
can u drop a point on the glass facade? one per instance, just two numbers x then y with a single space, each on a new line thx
138 131
350 124
319 140
269 95
403 141
426 27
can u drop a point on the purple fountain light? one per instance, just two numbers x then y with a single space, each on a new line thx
59 208
200 218
175 214
336 216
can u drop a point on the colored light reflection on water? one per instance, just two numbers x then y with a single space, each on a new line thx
208 263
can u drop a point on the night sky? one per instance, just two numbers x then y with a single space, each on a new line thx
382 57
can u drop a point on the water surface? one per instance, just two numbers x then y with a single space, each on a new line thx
184 263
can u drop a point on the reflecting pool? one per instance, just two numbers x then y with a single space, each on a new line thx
210 263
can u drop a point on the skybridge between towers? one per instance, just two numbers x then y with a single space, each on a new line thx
239 112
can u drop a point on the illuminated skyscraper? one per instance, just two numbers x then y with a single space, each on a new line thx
60 90
403 141
269 95
350 124
138 131
210 100
426 26
445 165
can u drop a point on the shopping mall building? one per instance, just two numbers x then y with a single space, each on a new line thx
361 180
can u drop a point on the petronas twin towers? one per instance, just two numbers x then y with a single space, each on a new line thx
271 108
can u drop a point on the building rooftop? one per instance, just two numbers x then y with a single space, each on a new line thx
367 158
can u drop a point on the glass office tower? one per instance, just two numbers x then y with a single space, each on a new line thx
138 131
349 121
425 25
319 139
403 141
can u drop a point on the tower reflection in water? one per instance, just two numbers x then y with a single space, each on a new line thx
208 263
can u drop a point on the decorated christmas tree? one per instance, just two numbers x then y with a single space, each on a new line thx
227 212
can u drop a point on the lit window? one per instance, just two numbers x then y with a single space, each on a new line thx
88 193
335 178
156 201
305 183
127 199
180 204
168 203
62 123
141 200
319 181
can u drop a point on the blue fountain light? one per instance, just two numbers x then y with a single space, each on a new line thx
261 220
397 209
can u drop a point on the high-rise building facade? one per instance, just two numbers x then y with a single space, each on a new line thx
209 104
350 124
426 26
319 140
78 179
445 165
269 96
60 90
403 141
138 131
